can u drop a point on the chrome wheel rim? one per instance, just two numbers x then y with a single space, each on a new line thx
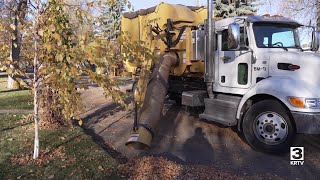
270 128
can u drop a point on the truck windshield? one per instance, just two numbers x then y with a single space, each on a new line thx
275 36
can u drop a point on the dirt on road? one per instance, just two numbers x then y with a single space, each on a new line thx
187 140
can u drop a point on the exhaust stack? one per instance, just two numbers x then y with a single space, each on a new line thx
210 48
150 113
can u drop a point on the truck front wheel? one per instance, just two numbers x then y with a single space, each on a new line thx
267 127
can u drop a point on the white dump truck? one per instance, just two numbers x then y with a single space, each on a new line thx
256 77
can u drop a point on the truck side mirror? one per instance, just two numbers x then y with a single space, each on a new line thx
234 36
315 41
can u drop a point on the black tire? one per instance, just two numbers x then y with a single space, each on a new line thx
267 127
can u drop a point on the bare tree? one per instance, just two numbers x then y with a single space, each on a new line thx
304 11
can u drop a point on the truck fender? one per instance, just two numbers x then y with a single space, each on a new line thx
280 88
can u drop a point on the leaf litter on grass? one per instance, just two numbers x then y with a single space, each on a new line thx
44 157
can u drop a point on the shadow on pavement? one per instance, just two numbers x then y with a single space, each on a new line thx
202 152
98 121
121 158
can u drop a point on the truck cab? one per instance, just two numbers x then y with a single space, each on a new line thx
264 82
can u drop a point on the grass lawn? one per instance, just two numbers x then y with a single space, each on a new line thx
64 153
3 82
14 99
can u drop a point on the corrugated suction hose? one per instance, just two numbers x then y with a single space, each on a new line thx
150 113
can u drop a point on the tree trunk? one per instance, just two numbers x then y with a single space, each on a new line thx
19 15
15 53
35 102
35 86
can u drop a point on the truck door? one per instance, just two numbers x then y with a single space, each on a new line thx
234 66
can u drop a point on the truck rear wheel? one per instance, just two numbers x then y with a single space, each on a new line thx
267 127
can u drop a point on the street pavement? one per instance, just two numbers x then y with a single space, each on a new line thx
183 137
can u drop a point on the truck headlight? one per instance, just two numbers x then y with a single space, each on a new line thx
310 103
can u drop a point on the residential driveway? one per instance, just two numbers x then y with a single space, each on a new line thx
186 139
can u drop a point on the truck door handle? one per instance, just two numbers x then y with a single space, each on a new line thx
225 58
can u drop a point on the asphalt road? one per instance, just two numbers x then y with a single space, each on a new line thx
184 138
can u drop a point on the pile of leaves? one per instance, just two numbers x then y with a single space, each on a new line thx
162 168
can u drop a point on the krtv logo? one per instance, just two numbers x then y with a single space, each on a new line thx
296 156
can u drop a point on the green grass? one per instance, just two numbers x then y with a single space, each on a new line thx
81 159
14 99
3 82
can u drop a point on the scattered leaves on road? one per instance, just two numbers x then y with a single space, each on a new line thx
161 168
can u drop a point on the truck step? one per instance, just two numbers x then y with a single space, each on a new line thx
227 97
215 118
222 111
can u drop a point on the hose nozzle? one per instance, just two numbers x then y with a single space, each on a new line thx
140 139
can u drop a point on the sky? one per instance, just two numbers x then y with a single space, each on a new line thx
143 4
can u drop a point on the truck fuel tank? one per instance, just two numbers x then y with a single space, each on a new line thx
194 98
